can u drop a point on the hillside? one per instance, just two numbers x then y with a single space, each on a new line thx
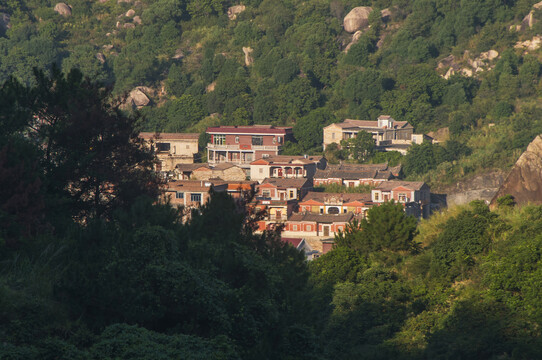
470 69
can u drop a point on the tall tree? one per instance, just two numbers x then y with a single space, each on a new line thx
91 154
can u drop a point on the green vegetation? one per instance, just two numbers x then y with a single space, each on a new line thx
338 188
190 55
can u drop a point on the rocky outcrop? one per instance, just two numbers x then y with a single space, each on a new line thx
130 13
179 54
63 9
529 45
357 19
100 57
385 14
480 187
210 87
481 63
524 182
355 39
233 11
528 21
138 98
137 20
248 55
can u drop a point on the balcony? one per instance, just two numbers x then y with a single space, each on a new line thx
223 147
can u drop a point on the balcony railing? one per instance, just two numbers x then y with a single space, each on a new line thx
237 147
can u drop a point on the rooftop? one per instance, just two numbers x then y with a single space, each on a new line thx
254 129
287 159
336 197
356 172
287 182
321 218
168 136
390 185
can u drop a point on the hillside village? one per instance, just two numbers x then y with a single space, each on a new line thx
245 160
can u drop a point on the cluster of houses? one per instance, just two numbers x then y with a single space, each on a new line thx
246 159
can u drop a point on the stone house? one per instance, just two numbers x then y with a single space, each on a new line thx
388 133
415 195
172 148
353 175
283 189
285 166
191 193
335 203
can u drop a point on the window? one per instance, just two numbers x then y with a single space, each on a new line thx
257 140
195 197
291 194
163 146
248 157
266 193
274 140
211 155
279 139
309 228
237 139
345 210
402 197
294 227
261 171
179 195
376 196
321 210
219 139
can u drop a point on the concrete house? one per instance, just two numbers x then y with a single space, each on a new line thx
388 133
241 145
335 203
353 175
415 195
285 166
172 148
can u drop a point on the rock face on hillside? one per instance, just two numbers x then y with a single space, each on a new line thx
63 9
138 98
480 187
234 10
524 182
357 19
248 55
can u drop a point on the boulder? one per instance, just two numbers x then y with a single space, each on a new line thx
138 98
528 21
130 13
100 57
355 39
357 19
248 55
449 73
524 182
129 26
179 54
211 87
4 21
137 20
385 14
63 9
537 6
233 11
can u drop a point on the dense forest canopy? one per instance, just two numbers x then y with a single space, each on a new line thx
92 266
285 62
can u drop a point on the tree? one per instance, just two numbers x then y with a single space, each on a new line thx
386 227
308 130
361 147
91 154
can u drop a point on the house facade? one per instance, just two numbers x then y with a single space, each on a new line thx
353 175
316 225
191 193
172 148
283 189
388 133
335 203
285 166
241 145
415 195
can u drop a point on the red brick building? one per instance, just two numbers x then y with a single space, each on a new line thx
241 145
